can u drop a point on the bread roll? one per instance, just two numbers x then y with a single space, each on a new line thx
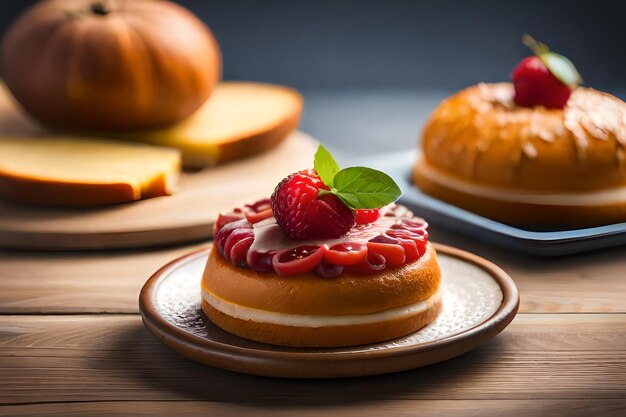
527 166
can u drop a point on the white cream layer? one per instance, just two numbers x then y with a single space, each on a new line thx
589 198
315 321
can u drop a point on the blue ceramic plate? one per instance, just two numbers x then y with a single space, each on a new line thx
447 216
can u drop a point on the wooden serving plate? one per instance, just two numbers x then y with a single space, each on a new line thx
185 216
480 300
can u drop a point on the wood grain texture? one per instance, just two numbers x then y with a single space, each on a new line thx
185 216
96 282
113 358
398 408
71 282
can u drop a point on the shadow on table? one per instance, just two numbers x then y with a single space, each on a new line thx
155 365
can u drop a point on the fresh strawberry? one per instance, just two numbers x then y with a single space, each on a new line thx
535 85
303 214
545 79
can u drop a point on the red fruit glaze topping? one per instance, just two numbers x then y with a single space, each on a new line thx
302 214
364 216
535 85
375 262
326 270
258 211
346 254
225 218
394 239
298 260
388 248
260 261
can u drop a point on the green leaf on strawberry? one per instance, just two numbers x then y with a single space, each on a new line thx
325 165
365 188
356 187
561 67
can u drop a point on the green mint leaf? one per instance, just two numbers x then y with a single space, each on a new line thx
325 166
365 188
562 68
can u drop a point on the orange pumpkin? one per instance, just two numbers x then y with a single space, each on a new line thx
110 65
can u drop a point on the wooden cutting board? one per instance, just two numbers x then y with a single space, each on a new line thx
185 216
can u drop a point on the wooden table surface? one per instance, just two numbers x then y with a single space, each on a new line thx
72 343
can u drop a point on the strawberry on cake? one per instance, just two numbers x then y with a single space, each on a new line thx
329 260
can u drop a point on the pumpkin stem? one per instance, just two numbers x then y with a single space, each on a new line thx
100 8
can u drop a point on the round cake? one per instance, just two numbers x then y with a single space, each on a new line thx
527 165
378 282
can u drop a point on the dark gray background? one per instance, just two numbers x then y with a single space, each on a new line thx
371 71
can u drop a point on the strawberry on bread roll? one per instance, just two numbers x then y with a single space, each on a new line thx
540 152
329 260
